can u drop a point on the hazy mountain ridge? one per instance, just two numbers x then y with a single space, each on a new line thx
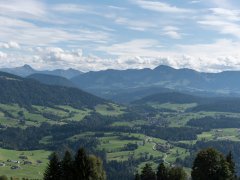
221 84
124 86
27 70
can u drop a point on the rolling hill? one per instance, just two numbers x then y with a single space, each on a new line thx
170 97
209 104
52 80
25 92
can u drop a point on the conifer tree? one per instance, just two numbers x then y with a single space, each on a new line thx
231 164
82 168
162 172
67 166
137 176
53 171
177 173
148 173
97 171
3 177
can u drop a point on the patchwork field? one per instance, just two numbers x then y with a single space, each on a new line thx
16 116
23 164
161 134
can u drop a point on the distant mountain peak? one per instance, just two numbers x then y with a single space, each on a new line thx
27 70
26 66
163 67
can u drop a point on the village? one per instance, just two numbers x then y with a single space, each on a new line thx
15 164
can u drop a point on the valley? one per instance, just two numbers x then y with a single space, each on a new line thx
123 138
167 126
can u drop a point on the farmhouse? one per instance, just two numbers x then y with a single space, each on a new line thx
15 161
2 164
15 167
163 147
27 162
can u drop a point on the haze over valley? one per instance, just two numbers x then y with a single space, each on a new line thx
119 90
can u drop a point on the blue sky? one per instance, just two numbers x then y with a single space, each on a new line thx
96 35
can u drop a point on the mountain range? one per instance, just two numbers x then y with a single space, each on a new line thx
27 70
125 86
108 83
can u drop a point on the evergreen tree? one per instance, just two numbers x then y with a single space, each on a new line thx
97 171
67 166
231 163
148 173
210 164
53 171
137 176
177 173
162 172
82 167
3 177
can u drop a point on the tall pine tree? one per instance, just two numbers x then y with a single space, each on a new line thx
97 171
148 173
67 166
53 171
162 172
231 164
177 173
137 176
82 167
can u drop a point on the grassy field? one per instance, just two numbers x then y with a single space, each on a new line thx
114 146
148 149
174 107
231 134
110 109
12 115
38 161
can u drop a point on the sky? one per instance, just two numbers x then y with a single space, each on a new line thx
92 35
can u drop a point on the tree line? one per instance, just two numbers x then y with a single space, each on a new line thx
82 167
209 164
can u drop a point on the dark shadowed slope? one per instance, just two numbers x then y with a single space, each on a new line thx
14 89
52 80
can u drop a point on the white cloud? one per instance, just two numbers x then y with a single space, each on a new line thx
10 45
27 8
57 54
139 25
160 6
224 21
221 55
172 32
194 2
13 44
220 3
138 47
227 14
34 35
71 8
19 20
3 55
213 57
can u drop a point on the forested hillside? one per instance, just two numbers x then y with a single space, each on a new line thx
26 92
